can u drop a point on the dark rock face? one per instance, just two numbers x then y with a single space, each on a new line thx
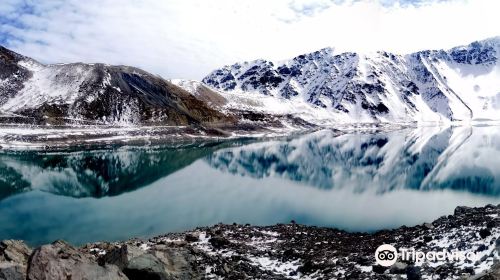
475 53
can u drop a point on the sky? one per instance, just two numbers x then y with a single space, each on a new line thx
189 38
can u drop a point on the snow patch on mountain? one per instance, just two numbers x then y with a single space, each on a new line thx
52 84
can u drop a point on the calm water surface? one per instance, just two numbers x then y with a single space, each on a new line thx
356 181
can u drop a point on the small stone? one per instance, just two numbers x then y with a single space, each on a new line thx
491 224
481 248
469 270
363 261
307 267
191 237
226 268
427 238
398 268
484 233
461 210
413 273
428 226
289 254
219 242
379 269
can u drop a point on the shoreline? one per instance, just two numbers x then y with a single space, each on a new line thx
282 251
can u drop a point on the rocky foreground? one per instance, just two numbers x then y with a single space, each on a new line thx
283 251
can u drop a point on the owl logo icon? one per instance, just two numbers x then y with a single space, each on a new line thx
386 255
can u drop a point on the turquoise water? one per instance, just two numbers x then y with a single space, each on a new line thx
360 181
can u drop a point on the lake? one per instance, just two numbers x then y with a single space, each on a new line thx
357 181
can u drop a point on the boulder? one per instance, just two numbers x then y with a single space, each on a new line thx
428 226
461 210
14 251
147 267
60 260
192 237
117 256
484 233
379 269
179 261
219 242
12 271
163 262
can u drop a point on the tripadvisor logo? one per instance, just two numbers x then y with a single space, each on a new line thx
387 255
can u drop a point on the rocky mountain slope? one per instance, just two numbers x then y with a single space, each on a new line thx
31 92
457 84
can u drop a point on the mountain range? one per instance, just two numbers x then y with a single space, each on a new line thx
459 84
320 88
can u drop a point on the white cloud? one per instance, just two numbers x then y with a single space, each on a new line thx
189 38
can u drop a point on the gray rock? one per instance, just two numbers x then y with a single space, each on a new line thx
164 264
428 226
14 251
492 274
146 266
11 271
398 268
116 256
461 210
133 252
179 263
59 260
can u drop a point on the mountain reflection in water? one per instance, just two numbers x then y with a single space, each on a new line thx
356 181
428 158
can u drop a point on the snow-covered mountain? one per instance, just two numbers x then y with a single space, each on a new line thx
31 92
462 83
320 88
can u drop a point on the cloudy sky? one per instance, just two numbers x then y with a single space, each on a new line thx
189 38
